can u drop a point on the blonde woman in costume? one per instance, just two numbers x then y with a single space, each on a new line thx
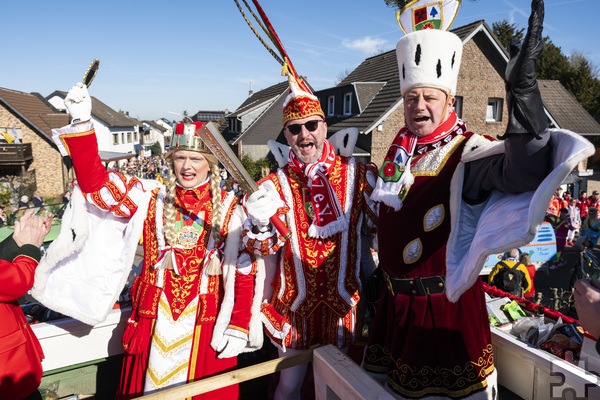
184 324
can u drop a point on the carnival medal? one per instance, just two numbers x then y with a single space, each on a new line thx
188 234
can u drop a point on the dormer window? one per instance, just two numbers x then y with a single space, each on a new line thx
234 125
348 103
331 106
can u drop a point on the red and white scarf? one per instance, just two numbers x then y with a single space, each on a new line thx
328 218
395 178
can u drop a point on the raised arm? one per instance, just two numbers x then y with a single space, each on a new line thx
528 152
109 191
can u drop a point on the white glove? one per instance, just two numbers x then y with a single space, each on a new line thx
79 103
230 346
262 205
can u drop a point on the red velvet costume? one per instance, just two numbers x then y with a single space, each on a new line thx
316 288
20 351
162 298
426 343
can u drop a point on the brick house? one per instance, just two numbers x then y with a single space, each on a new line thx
369 99
36 160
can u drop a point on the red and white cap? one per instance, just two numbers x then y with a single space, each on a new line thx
300 102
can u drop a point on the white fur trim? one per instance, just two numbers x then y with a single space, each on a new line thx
387 198
344 141
255 335
275 333
230 259
429 58
79 276
280 152
288 197
233 245
345 242
520 214
330 229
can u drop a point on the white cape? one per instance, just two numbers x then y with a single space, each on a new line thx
504 221
85 269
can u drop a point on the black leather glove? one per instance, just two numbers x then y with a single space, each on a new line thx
525 108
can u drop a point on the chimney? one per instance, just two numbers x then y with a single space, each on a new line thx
250 92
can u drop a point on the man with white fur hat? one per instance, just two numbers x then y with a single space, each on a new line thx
449 198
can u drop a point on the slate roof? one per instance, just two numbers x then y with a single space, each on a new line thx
260 97
267 125
156 126
366 92
382 68
104 113
565 110
34 111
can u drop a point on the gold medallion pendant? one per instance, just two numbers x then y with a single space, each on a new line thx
187 237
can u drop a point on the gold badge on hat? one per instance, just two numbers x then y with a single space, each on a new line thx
425 14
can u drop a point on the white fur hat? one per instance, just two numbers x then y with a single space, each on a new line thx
429 58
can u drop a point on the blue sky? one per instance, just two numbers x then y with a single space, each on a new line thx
159 58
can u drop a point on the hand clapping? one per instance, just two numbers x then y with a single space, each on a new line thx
31 229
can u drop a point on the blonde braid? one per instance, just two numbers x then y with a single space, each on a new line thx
215 189
214 266
169 214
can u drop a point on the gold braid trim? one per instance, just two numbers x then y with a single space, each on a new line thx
455 382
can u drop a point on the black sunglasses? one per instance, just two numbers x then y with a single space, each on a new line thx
311 126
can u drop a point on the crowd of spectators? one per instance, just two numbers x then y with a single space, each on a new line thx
153 167
575 213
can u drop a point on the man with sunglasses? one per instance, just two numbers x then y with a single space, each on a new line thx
313 277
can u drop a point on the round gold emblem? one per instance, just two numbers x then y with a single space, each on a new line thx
187 237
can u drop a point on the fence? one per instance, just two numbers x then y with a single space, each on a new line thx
336 377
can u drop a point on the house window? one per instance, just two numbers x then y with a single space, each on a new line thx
494 110
122 137
458 106
115 138
135 137
347 103
331 106
128 137
233 125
